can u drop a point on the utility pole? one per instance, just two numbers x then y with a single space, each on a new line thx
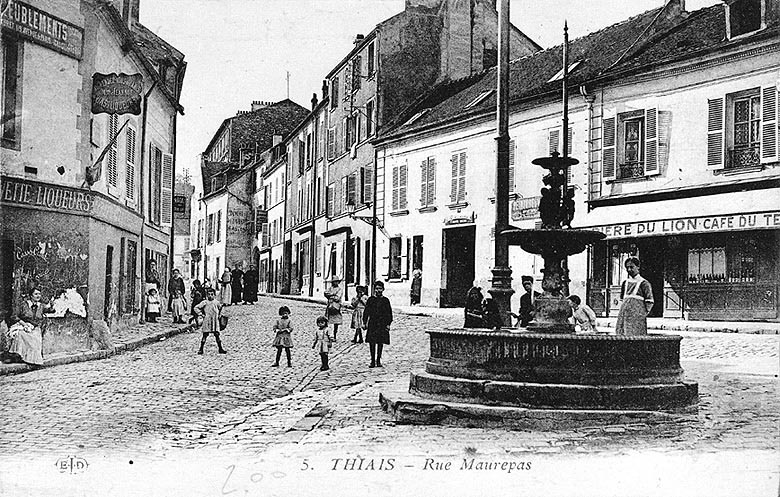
288 85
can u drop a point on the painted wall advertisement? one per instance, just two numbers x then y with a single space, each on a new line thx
42 28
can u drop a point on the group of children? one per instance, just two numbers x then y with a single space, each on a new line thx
153 309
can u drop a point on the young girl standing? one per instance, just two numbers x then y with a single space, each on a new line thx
323 341
283 340
358 304
178 306
152 306
210 309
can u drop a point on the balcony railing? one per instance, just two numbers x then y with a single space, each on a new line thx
743 157
631 170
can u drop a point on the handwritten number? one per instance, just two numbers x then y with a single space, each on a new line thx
305 465
230 468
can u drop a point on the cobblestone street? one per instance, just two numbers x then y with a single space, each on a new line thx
164 403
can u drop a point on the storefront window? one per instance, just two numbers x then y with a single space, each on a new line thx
706 265
620 252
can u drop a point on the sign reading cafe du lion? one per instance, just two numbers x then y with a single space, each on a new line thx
116 93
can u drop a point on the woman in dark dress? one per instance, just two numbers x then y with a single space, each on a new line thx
250 285
377 317
237 285
473 310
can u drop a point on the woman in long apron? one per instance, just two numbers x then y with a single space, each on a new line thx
637 295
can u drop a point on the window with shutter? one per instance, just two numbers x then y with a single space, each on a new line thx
342 196
395 189
608 147
554 138
769 121
334 92
402 177
715 131
458 185
651 142
367 175
331 143
357 65
111 157
130 164
351 189
370 118
330 207
166 190
428 182
370 61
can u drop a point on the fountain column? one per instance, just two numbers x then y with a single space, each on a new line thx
501 289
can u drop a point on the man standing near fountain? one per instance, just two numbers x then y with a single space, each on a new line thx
526 313
637 295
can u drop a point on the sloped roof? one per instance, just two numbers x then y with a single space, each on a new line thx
604 54
159 51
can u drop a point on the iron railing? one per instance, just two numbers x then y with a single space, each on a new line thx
743 157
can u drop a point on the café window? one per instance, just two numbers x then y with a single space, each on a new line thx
619 253
747 123
733 263
631 151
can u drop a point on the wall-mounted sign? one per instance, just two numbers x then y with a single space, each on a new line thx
454 220
39 27
703 224
179 204
23 192
117 93
525 208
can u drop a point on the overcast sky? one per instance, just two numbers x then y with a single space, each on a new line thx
240 50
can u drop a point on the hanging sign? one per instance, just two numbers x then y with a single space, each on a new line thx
116 93
525 208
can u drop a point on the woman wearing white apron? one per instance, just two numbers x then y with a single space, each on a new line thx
637 295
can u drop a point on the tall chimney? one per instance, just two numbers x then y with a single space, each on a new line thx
313 101
324 89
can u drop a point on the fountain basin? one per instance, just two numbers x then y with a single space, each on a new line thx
552 242
563 371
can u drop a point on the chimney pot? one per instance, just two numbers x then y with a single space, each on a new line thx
313 101
358 38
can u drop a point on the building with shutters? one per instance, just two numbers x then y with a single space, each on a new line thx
675 133
75 226
223 205
430 42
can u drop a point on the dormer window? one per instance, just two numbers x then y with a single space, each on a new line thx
416 117
744 16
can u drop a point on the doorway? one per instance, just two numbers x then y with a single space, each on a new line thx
107 304
457 265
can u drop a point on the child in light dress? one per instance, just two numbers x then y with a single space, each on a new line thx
178 307
323 341
283 339
152 306
358 304
211 310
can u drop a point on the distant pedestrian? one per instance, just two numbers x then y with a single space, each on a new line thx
152 305
637 295
583 315
377 318
178 306
251 277
211 310
473 309
237 285
197 295
225 291
152 276
416 291
333 309
323 341
283 339
358 305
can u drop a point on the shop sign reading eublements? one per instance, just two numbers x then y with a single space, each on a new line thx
684 225
116 93
42 28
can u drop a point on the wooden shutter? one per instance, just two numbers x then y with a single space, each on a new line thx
769 124
265 234
166 191
664 128
608 128
317 253
329 194
454 189
512 152
113 126
651 142
569 141
331 143
462 177
431 182
405 258
341 199
715 130
395 189
424 183
334 92
553 138
130 167
367 173
357 65
402 186
351 189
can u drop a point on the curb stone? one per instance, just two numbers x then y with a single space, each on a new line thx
11 369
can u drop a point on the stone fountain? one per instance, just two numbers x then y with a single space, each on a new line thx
546 376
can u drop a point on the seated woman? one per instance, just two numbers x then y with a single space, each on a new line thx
26 336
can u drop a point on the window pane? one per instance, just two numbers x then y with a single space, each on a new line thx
741 111
632 130
632 152
754 108
741 134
